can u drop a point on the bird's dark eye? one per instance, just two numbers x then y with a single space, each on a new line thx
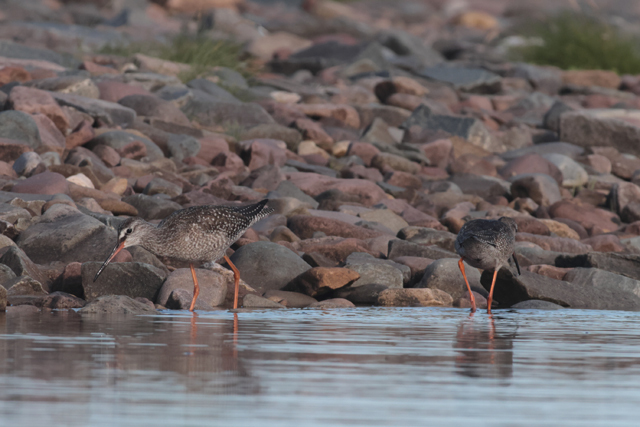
129 230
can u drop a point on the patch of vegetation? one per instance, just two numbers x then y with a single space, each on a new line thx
580 41
200 52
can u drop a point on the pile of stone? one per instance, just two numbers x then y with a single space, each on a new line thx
374 140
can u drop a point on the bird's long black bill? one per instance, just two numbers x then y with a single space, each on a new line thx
114 252
516 261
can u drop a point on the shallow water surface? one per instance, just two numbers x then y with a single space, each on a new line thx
353 367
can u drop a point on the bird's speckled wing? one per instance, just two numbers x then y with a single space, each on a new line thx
483 230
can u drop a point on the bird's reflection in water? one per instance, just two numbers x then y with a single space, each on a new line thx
485 351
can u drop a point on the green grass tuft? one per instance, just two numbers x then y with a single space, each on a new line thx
200 52
578 41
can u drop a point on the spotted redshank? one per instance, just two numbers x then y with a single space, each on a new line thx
486 244
198 234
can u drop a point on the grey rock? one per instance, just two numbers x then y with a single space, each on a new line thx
290 136
540 188
10 49
428 236
467 128
602 127
19 126
536 304
213 90
158 185
256 263
364 258
571 150
60 301
213 286
152 207
333 303
305 167
376 274
444 274
267 177
21 265
475 80
132 279
405 44
254 301
510 290
26 163
110 113
288 189
79 85
64 234
619 263
116 304
290 299
536 255
3 299
362 295
6 273
398 248
601 279
24 286
386 217
182 146
178 95
545 79
551 119
482 186
207 111
180 299
573 175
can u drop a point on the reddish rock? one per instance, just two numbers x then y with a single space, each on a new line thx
11 149
439 152
602 78
31 100
345 114
133 150
262 152
304 226
313 184
364 150
50 136
335 248
97 69
598 163
13 74
470 163
313 131
416 264
531 163
333 303
152 106
210 147
319 281
359 171
107 154
43 183
605 243
527 224
113 91
548 270
423 297
7 170
404 180
556 244
82 134
594 220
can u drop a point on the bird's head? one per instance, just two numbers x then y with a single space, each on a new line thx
129 234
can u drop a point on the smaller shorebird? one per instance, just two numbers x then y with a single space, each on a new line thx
486 244
198 234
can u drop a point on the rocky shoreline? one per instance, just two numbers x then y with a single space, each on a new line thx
373 139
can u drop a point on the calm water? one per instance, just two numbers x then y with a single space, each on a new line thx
359 367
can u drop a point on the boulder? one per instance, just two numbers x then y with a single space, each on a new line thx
213 286
133 279
318 281
444 274
415 298
116 304
256 262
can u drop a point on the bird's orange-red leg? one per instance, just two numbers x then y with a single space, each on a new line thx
236 280
196 288
490 299
473 300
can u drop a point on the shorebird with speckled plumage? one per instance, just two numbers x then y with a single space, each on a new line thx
198 234
486 244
